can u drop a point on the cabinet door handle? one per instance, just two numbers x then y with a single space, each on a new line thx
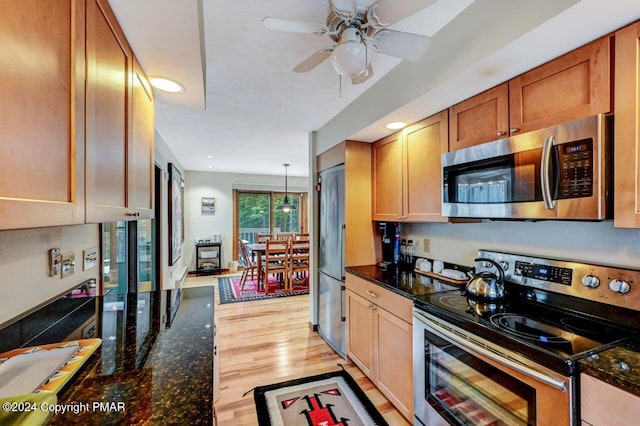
500 133
132 214
514 130
372 294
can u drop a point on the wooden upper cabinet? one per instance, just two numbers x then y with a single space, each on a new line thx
141 136
626 212
424 144
119 123
482 118
387 178
42 114
407 173
572 86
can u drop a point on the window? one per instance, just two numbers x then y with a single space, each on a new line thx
256 213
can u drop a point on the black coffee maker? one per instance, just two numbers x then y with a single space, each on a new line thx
387 237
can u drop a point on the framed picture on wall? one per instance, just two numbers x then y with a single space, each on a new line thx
208 205
176 215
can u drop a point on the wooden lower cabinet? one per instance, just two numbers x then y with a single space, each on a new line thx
394 359
379 340
360 332
604 404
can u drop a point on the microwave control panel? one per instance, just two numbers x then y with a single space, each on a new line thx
544 272
576 169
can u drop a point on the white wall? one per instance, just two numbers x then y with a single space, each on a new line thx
24 280
220 186
170 275
596 242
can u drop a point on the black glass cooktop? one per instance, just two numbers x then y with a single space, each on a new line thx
528 327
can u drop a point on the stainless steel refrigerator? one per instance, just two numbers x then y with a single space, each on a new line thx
331 301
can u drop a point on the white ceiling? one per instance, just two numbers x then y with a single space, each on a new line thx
245 111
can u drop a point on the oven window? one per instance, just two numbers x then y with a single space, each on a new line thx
472 391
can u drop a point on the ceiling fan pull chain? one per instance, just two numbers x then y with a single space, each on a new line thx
366 59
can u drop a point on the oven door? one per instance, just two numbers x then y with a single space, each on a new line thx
462 379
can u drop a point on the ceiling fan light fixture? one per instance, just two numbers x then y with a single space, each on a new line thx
349 57
166 84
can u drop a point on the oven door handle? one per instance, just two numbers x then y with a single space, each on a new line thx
545 173
447 335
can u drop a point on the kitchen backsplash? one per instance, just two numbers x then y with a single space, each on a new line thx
597 242
24 279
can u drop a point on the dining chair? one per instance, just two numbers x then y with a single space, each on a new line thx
298 263
249 265
301 237
276 261
284 236
262 238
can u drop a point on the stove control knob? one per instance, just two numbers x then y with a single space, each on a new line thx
619 286
590 281
504 265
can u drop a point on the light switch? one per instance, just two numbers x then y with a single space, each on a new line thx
68 264
90 258
426 245
55 261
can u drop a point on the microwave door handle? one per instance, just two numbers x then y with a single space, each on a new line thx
545 173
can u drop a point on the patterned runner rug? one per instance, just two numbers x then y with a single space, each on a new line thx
326 399
229 288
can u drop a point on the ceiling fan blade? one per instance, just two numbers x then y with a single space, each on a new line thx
364 76
387 12
407 46
293 26
346 9
314 60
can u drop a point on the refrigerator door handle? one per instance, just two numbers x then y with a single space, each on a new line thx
343 315
343 250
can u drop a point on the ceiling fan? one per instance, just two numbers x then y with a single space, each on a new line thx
355 26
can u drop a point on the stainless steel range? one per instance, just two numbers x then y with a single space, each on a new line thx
514 361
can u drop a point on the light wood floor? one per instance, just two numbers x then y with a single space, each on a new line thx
269 341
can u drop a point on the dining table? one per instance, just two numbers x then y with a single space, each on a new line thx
259 249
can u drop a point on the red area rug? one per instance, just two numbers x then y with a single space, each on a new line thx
229 289
326 399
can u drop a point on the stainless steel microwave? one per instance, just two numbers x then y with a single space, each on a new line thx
561 172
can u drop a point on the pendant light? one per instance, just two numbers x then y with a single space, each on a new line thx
286 207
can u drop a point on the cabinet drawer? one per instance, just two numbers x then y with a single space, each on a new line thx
398 305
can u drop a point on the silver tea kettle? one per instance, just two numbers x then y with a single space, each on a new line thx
485 284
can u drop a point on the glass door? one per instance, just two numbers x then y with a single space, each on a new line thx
254 215
472 391
286 222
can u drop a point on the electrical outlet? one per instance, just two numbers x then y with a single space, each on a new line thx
90 258
68 264
55 261
426 245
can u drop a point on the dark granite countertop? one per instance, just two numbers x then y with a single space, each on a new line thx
619 366
147 372
406 283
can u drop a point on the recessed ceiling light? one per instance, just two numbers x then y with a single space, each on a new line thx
209 156
166 84
395 125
